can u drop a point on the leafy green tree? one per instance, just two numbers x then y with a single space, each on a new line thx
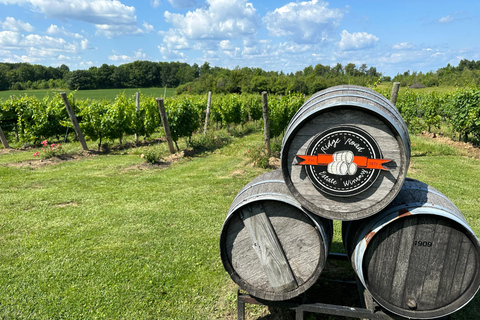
80 79
3 80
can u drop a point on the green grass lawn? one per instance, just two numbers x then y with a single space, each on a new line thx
105 236
99 94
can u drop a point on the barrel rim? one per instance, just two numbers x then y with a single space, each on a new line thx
316 99
353 88
252 185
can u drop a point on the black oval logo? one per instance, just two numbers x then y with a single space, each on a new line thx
343 161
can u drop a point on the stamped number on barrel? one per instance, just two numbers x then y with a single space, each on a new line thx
422 243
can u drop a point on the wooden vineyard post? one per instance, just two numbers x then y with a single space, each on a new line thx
266 123
166 127
393 96
73 118
4 139
137 108
207 115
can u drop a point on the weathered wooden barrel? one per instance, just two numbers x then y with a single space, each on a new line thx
345 153
270 246
419 258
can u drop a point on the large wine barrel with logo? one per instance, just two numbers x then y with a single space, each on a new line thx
270 246
418 257
345 153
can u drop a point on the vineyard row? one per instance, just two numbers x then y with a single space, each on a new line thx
28 120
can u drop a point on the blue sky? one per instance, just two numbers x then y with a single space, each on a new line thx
393 36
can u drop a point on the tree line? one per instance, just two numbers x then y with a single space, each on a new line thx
138 74
187 78
466 74
195 79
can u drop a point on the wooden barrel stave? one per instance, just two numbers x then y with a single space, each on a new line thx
345 106
304 239
418 257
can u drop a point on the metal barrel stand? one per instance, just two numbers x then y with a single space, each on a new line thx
369 308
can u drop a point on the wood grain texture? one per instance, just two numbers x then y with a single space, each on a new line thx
354 106
423 260
268 248
300 248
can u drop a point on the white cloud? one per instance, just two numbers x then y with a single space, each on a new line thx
235 53
356 41
404 46
35 40
122 58
226 45
112 30
148 27
54 29
207 29
110 17
137 55
294 48
9 39
174 41
304 22
85 64
223 19
37 46
93 11
446 19
172 55
155 3
16 25
84 44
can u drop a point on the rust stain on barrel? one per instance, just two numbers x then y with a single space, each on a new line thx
369 236
403 213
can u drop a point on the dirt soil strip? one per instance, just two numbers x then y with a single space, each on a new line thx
470 149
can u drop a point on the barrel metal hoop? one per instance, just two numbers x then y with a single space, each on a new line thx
350 88
267 196
256 184
421 188
300 113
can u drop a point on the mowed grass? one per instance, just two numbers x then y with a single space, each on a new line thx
104 237
100 94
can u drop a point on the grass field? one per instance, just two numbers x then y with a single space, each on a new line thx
110 94
388 85
106 236
100 94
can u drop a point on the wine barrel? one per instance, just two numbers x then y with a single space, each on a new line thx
270 246
419 258
345 153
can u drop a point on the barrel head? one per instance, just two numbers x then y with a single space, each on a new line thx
300 243
422 266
